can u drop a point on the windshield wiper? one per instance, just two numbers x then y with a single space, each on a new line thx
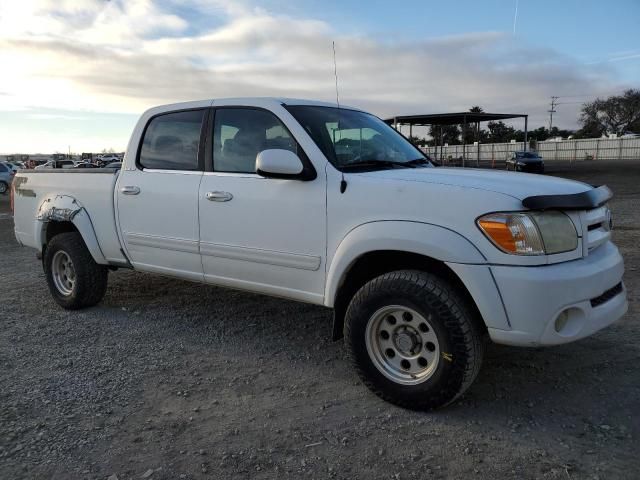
418 161
379 163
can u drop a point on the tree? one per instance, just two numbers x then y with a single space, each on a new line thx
471 132
558 132
617 114
539 134
445 134
417 141
499 132
591 125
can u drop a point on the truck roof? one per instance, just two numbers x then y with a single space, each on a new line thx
248 101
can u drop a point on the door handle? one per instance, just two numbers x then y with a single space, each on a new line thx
130 190
219 196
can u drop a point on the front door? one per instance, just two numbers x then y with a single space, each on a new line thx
261 234
158 200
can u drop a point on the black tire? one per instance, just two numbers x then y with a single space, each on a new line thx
458 331
90 282
4 188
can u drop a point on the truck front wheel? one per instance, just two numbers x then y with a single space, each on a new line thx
413 339
75 280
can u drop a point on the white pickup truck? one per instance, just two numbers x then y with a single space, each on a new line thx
329 205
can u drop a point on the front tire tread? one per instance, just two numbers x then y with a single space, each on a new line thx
467 343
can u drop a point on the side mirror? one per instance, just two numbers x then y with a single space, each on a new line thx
279 163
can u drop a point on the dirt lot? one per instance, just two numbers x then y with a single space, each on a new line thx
168 379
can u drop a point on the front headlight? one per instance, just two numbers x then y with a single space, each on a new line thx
530 233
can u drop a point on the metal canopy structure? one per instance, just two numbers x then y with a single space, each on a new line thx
451 118
460 118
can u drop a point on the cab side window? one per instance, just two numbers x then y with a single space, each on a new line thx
239 134
172 140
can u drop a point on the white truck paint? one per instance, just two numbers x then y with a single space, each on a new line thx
300 239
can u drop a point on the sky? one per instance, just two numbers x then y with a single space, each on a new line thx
76 74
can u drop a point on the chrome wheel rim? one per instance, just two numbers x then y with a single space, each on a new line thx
3 187
63 272
402 344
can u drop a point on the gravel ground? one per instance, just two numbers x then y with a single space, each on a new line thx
167 379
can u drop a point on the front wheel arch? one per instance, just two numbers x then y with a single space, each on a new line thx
373 264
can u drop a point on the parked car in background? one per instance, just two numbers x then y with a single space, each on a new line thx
6 177
56 164
15 166
113 165
525 162
110 157
84 165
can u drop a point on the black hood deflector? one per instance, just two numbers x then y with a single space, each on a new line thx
594 198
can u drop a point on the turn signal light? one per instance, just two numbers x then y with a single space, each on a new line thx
513 233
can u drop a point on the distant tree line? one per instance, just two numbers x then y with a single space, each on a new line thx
618 114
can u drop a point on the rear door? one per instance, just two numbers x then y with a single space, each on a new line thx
158 200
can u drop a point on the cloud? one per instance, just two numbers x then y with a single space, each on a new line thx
55 116
124 56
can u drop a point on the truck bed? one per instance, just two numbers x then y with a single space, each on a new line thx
92 189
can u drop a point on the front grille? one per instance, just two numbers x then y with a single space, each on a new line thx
597 225
606 296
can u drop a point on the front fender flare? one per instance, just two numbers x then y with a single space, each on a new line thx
434 241
65 208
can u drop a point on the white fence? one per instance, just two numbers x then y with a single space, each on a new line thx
565 150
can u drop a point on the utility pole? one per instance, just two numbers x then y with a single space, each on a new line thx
554 103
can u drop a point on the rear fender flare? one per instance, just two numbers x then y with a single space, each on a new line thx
65 208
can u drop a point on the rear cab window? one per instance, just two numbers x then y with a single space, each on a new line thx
172 141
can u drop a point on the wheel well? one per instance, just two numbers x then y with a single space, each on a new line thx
56 228
373 264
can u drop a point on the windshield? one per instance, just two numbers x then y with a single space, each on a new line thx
527 155
353 138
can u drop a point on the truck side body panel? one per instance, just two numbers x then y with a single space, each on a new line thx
43 196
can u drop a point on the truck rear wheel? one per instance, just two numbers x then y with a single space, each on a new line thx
413 339
75 280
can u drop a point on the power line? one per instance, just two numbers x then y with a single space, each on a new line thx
589 94
555 103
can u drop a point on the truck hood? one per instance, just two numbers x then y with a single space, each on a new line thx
517 185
